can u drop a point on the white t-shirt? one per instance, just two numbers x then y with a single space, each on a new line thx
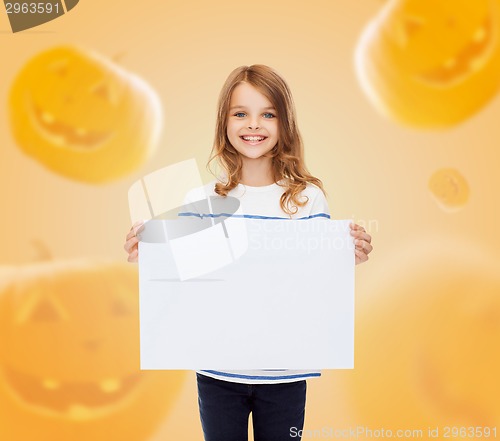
264 203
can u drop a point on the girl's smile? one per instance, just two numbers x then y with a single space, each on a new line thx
253 140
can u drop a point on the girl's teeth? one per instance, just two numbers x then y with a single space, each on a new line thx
252 139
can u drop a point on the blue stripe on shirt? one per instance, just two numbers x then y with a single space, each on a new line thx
250 216
262 377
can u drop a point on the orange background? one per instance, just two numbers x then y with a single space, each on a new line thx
373 169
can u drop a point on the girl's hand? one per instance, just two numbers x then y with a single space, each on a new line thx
132 240
362 241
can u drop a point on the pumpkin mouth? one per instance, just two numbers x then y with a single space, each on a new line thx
76 400
460 66
64 135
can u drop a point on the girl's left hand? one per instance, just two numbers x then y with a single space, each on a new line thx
362 242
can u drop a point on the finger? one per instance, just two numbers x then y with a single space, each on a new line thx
132 241
364 236
356 227
360 243
361 255
133 257
367 237
139 228
139 225
134 231
130 244
363 246
361 235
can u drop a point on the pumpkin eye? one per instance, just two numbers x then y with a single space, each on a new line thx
103 89
413 25
119 308
406 28
41 308
59 68
45 311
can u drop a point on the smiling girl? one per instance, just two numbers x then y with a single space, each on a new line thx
259 148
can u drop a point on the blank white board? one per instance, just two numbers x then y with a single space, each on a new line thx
246 294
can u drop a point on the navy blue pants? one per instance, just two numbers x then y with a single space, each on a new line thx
278 410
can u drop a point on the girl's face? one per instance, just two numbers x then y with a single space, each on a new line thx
252 126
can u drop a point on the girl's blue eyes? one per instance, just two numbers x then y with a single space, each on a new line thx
270 115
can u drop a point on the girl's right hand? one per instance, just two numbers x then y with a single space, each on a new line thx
131 242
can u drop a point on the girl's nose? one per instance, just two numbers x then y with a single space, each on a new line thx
252 126
253 122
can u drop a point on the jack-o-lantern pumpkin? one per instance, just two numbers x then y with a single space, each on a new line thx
431 63
449 188
427 340
69 355
83 116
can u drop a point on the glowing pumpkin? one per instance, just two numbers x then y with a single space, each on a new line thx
449 188
431 63
83 116
427 340
69 355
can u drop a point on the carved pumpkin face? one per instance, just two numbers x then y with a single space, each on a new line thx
69 355
427 342
429 63
449 188
83 116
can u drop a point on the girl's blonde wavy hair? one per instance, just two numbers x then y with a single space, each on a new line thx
287 156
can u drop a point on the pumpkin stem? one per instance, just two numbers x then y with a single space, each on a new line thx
42 252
